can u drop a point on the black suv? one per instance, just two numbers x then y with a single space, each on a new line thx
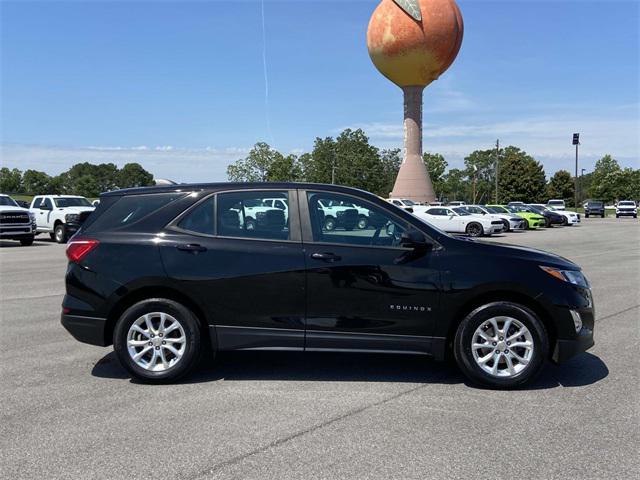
165 273
593 209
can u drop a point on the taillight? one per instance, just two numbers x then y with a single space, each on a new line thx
78 249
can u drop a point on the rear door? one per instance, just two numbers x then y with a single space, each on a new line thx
365 291
251 280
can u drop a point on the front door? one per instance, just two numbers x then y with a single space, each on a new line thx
249 275
365 291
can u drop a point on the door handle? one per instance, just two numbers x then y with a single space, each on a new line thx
192 248
326 257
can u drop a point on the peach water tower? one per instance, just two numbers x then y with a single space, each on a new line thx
412 42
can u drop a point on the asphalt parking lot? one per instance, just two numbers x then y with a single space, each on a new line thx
70 411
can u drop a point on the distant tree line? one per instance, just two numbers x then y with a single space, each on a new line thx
351 160
84 179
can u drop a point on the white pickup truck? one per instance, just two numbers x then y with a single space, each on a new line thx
60 215
16 223
333 212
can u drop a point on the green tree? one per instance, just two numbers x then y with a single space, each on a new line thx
255 167
455 186
358 163
436 166
628 184
561 186
604 179
284 169
481 166
35 182
132 175
391 161
317 166
521 177
87 186
10 180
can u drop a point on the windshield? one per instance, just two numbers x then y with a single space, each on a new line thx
595 204
556 202
498 210
408 202
8 202
461 211
627 204
534 209
63 202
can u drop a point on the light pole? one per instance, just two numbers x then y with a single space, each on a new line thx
582 170
497 158
576 142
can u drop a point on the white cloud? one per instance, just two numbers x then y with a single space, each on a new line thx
179 164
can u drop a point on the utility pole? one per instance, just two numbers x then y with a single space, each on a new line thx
497 159
576 142
333 168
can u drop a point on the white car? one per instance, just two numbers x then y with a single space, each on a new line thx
254 212
334 212
60 215
557 204
460 221
16 223
570 218
626 208
510 222
407 204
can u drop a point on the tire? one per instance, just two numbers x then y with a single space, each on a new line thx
190 348
474 229
565 221
617 216
507 226
602 216
486 315
547 223
60 233
586 215
52 236
250 224
26 242
329 223
363 222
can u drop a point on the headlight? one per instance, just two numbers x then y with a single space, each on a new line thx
32 216
71 217
572 276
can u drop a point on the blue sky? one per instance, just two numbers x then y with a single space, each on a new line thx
180 86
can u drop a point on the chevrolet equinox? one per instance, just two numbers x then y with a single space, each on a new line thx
167 273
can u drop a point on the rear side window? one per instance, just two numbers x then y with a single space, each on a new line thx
253 214
200 219
130 209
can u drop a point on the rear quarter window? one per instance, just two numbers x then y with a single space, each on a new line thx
130 209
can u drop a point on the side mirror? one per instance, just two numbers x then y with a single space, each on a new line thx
414 239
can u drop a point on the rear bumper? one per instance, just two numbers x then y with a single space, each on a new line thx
565 349
89 330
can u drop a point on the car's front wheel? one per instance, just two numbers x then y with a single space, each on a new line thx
501 345
158 340
60 233
474 229
507 225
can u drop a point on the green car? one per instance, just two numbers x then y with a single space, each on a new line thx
533 219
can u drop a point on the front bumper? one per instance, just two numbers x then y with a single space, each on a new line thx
518 224
91 330
17 232
626 213
565 349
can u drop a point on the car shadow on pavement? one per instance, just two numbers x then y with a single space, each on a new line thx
36 243
584 369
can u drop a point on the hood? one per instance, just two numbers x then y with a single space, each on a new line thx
76 209
9 208
514 252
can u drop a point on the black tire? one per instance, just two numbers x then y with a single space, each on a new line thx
602 216
60 233
474 229
464 336
363 222
52 236
250 224
617 216
190 325
565 221
329 223
507 226
26 242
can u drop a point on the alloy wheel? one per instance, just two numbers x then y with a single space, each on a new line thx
156 341
502 346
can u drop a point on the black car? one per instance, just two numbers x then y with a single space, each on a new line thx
550 217
594 208
166 273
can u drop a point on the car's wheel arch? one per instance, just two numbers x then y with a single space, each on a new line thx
503 295
134 296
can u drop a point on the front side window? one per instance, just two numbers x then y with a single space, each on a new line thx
342 219
253 214
47 203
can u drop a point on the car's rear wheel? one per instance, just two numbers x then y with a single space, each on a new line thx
158 340
474 229
60 233
501 345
